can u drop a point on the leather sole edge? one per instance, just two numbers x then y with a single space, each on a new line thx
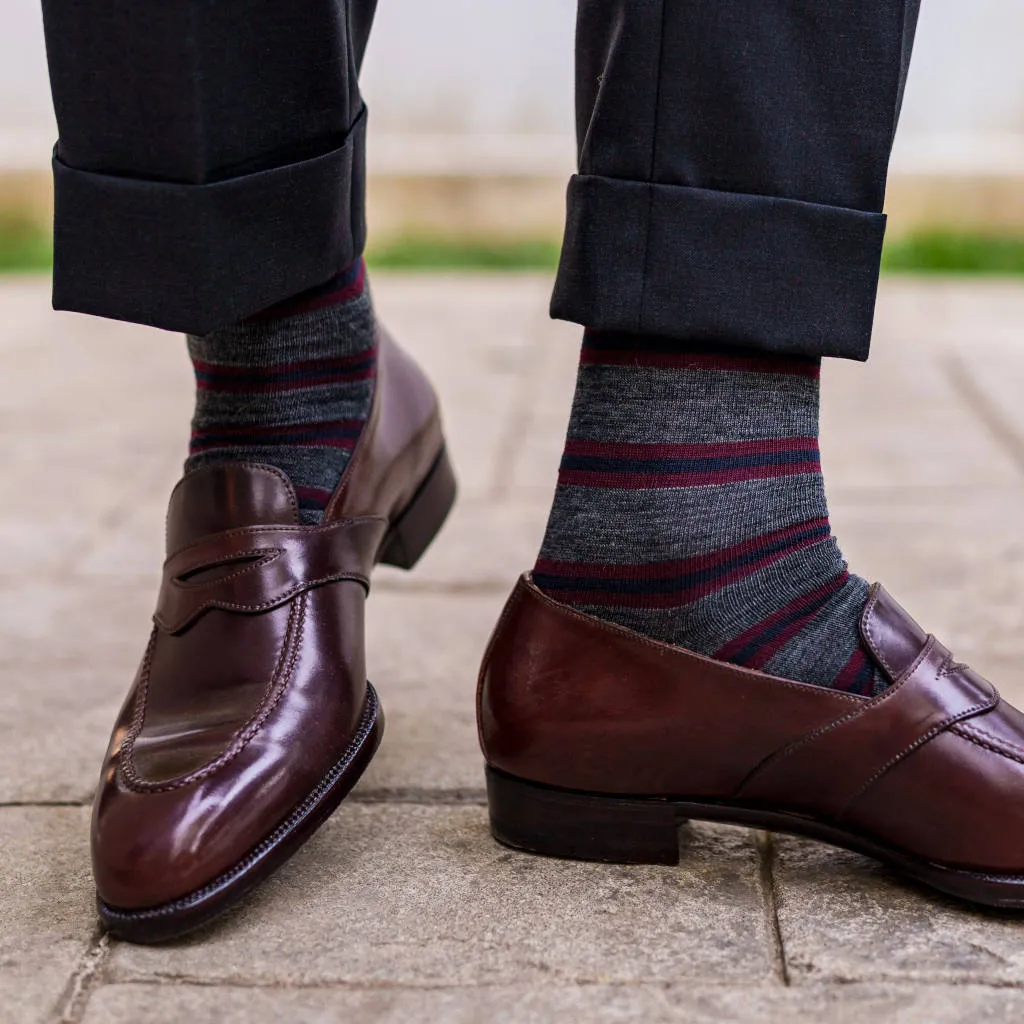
579 825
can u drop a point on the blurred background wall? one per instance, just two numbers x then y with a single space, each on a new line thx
472 114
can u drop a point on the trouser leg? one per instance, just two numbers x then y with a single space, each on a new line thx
732 168
211 154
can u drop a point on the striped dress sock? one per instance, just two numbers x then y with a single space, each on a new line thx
691 507
290 387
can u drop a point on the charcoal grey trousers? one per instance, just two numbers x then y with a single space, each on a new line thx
732 162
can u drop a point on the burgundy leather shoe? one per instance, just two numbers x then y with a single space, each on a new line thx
251 716
600 742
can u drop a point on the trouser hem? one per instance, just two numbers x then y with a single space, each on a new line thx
194 258
721 268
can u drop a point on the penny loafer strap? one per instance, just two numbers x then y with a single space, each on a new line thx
255 569
827 770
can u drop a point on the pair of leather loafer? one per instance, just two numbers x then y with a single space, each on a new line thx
251 717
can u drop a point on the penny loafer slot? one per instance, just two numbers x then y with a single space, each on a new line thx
581 826
421 521
272 565
219 568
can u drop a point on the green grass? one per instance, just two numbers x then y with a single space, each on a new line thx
24 245
437 254
946 252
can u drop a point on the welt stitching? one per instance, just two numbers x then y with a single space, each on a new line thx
293 643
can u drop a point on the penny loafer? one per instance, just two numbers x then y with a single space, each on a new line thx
599 742
251 717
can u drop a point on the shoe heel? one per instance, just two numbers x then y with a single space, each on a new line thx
418 525
564 823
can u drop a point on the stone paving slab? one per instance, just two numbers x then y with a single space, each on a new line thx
844 917
484 546
424 654
54 727
400 894
956 562
68 653
404 908
98 623
474 336
898 422
46 907
521 1004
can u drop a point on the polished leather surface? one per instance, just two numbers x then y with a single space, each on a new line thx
933 766
254 679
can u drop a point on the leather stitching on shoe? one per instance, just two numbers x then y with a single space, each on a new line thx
275 691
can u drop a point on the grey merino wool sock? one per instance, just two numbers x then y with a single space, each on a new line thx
290 388
691 508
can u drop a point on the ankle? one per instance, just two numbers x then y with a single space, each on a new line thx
290 388
690 507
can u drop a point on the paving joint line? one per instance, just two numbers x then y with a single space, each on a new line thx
85 979
981 405
764 842
458 797
15 804
169 979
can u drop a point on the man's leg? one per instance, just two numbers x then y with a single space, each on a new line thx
733 161
209 179
210 163
723 237
723 234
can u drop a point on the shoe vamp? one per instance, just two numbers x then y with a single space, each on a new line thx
206 686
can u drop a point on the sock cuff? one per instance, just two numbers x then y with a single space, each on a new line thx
332 333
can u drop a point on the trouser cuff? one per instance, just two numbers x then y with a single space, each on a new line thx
742 271
194 258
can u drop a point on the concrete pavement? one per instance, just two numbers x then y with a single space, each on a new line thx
403 908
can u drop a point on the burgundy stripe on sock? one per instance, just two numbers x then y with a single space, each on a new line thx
330 434
642 466
312 497
759 644
285 376
857 676
669 584
343 287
